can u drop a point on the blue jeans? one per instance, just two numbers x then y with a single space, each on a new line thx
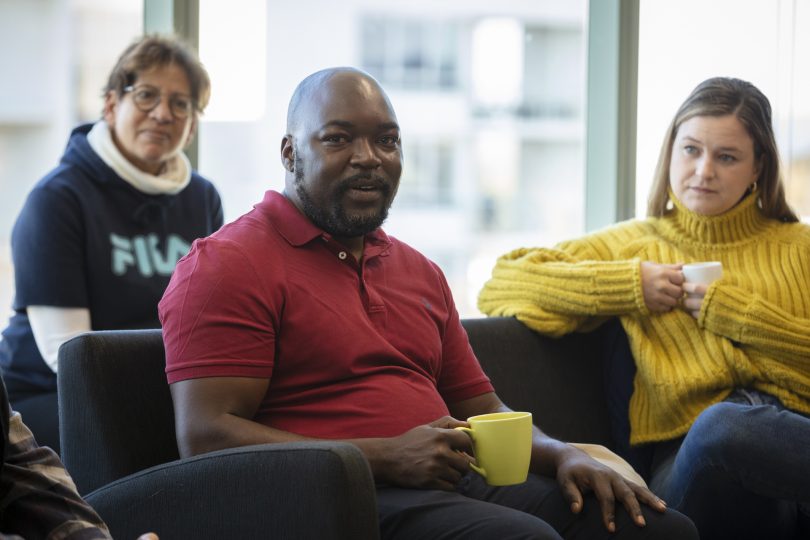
742 471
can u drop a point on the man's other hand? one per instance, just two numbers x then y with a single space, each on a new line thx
578 473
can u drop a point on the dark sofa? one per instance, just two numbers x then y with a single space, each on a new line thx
558 380
117 431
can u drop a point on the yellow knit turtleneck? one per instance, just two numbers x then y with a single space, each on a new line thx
754 326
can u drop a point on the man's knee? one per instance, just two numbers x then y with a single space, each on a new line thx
670 525
491 520
519 526
415 514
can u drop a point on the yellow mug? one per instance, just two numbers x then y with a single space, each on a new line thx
503 446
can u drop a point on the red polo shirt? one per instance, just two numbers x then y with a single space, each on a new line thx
351 350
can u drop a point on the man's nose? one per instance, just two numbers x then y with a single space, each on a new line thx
365 154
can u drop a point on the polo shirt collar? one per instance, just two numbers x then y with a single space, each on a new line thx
297 229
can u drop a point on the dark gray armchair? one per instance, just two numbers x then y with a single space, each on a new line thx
118 440
118 443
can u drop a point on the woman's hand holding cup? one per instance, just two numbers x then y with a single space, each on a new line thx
661 285
697 278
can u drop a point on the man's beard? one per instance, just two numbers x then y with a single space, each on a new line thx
333 218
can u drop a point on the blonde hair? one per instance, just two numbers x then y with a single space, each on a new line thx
721 96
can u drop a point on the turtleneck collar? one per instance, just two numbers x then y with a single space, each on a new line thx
739 224
175 176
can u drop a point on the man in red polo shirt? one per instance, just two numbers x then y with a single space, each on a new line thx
304 320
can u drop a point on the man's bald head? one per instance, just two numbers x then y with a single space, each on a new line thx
319 86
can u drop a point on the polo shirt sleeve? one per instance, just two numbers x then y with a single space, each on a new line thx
217 321
461 376
48 249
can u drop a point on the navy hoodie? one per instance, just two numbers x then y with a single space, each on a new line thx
86 238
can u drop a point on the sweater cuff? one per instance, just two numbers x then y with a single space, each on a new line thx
617 288
724 311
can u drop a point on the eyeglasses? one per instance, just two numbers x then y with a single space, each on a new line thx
147 97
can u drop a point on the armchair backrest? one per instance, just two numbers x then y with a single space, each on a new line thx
558 380
101 439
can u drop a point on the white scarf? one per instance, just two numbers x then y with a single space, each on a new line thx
175 176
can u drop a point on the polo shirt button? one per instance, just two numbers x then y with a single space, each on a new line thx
342 255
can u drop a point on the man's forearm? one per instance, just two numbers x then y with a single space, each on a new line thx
547 453
231 431
228 431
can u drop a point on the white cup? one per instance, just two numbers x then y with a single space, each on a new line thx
703 273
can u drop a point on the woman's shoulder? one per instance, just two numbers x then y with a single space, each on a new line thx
621 233
62 185
795 232
79 169
201 184
200 180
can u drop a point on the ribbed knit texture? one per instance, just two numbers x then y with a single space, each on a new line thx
754 326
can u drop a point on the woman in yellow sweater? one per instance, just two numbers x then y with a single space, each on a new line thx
722 383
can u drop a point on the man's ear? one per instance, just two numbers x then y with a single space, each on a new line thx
288 152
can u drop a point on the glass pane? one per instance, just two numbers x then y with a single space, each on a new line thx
490 170
795 129
55 57
239 68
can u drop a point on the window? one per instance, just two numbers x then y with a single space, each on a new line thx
427 180
491 110
411 53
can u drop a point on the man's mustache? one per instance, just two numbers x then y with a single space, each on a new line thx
365 180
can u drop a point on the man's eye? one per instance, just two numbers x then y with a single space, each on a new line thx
389 140
335 139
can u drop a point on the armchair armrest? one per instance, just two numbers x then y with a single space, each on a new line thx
291 490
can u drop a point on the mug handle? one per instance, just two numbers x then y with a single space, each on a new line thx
471 433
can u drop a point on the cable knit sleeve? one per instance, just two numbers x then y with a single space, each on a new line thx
557 291
748 319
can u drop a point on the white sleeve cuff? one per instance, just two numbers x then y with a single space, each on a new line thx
53 326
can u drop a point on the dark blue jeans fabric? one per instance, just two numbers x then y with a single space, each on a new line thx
535 509
619 369
742 471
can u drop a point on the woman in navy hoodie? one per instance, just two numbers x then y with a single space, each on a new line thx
98 237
